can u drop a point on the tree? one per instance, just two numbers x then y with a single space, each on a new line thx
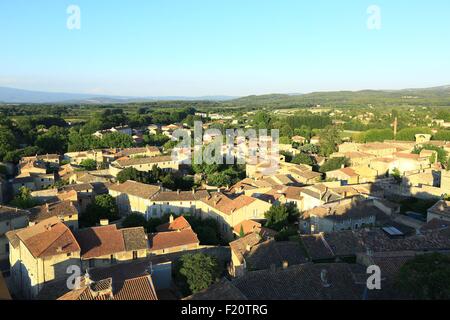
88 164
426 277
241 232
373 135
7 141
103 207
53 141
443 135
329 139
207 230
24 199
117 140
277 217
302 158
441 153
134 220
196 272
310 148
409 134
334 164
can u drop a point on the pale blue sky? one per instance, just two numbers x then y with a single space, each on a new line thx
223 47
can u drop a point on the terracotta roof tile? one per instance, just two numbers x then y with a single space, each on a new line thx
137 189
47 238
165 240
179 223
100 241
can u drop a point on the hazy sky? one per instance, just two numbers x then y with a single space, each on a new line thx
223 47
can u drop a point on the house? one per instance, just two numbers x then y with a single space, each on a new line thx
298 139
119 129
239 247
40 254
147 151
32 181
221 290
166 163
66 211
178 224
177 202
153 129
106 245
229 210
345 175
250 226
133 196
423 138
355 158
440 211
51 159
314 196
172 241
125 287
10 219
308 281
353 213
80 156
315 140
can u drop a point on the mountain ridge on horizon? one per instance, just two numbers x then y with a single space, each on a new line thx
10 95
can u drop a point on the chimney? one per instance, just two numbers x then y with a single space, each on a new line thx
248 248
171 218
285 264
324 278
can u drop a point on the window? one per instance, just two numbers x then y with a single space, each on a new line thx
69 254
111 259
135 255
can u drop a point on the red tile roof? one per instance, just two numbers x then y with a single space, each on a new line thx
165 240
226 204
47 238
179 223
100 241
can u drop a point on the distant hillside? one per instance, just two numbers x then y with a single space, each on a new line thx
427 96
12 95
437 96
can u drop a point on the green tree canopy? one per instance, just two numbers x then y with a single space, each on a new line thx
88 164
303 158
329 139
409 134
334 164
196 272
103 207
427 276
